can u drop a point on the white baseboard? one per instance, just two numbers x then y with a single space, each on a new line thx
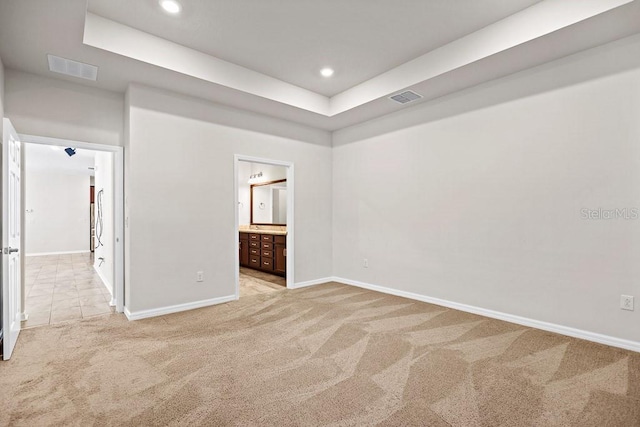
524 321
312 282
105 282
57 253
143 314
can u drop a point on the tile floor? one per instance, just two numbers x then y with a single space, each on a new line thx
61 288
253 282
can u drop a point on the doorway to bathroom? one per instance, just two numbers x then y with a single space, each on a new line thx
263 225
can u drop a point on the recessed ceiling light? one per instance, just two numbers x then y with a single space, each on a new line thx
171 6
326 72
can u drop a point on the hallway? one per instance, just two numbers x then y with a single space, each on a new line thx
62 288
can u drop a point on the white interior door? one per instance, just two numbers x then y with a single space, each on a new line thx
11 208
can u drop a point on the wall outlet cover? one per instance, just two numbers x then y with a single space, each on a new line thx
626 302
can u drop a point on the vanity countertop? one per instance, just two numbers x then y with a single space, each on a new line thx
273 232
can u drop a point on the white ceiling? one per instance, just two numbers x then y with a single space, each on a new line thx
41 158
292 39
264 56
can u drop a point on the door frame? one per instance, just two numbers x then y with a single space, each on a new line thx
290 215
12 292
118 203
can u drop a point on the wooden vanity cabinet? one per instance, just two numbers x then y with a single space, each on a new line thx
265 252
244 249
280 249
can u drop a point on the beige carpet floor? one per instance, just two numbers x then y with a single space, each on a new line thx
327 355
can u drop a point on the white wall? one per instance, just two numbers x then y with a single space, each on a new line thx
55 108
269 172
104 181
1 91
57 206
280 211
476 198
244 193
180 195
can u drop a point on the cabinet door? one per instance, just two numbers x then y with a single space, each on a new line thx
244 252
281 259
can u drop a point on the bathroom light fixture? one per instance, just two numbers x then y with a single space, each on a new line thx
171 6
327 72
255 178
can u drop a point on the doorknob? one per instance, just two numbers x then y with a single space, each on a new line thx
10 250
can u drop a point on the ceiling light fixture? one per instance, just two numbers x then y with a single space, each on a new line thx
171 6
326 72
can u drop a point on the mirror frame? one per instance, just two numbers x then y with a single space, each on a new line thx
251 201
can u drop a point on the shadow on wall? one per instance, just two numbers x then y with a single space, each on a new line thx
60 109
614 58
176 104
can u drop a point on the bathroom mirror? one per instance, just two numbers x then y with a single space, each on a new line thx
269 203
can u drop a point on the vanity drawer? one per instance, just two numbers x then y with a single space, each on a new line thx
267 264
254 261
254 251
267 238
266 246
267 253
280 239
254 244
254 236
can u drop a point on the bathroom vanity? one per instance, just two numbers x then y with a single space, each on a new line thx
264 250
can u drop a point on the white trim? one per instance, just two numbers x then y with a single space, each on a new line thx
290 215
104 281
161 311
118 232
118 205
61 142
524 321
24 316
313 282
57 253
236 242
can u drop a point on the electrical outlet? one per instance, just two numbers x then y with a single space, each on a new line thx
200 276
626 302
365 263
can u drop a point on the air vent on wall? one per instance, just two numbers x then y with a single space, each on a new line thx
406 96
72 68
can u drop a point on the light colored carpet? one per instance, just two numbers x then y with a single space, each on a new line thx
326 355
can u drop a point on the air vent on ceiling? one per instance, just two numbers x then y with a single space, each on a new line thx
72 68
406 96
